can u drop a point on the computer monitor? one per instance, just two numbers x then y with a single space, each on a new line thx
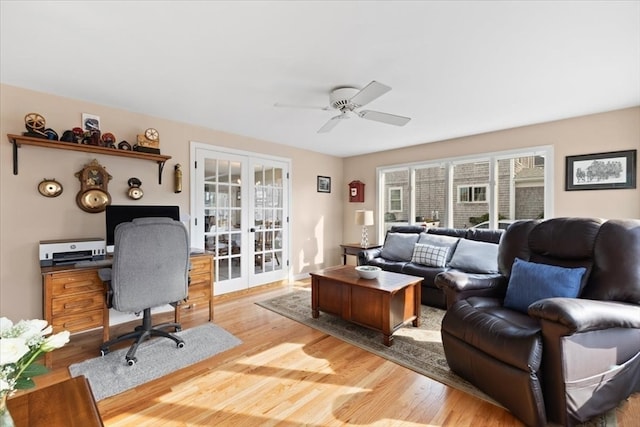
116 214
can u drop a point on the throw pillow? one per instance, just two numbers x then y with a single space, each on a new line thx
399 246
441 241
431 256
475 257
530 282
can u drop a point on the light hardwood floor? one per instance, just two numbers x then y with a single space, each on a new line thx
287 374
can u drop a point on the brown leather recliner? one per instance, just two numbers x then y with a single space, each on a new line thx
565 360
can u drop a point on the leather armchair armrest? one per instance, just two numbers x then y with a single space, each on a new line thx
458 285
582 315
366 255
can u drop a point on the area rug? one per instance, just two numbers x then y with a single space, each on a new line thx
419 349
110 374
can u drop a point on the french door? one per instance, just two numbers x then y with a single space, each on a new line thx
240 205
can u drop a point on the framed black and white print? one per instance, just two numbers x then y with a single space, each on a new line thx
601 171
324 184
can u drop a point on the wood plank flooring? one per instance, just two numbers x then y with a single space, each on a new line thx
288 374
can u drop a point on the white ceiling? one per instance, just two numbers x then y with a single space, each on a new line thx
456 68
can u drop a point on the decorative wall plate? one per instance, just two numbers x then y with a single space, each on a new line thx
50 188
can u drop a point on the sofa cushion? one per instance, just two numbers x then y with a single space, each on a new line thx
530 282
431 256
399 246
438 240
475 257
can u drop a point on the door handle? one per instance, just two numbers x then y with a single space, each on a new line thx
253 230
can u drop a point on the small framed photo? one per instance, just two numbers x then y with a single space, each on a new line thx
90 122
324 184
601 171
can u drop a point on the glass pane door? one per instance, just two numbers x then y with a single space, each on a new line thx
223 220
239 208
269 220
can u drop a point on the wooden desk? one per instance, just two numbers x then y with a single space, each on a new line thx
354 249
74 298
66 404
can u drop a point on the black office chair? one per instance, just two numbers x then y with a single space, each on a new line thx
150 269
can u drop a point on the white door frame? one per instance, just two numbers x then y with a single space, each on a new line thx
197 213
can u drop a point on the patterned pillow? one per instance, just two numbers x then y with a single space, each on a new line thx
431 256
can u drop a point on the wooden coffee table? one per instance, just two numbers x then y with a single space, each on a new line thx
384 304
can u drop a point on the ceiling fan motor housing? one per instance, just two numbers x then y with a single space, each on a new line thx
340 98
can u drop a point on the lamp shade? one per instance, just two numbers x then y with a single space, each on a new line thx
364 217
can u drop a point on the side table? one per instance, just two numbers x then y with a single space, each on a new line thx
69 403
354 249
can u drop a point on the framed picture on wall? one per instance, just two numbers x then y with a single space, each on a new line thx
324 184
601 171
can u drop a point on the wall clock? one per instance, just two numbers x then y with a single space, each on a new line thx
93 196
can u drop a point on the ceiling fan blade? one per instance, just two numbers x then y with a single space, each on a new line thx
333 122
370 92
309 107
390 119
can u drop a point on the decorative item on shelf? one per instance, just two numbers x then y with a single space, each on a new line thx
108 140
92 137
93 196
135 192
21 345
68 136
356 192
124 145
90 122
178 178
36 126
149 142
364 219
50 188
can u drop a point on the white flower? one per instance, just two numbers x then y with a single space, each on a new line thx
12 349
5 326
55 341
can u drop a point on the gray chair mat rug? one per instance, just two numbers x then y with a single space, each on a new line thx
110 374
419 349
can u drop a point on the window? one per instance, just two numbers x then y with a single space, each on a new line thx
472 193
490 189
395 199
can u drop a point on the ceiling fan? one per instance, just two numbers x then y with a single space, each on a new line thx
348 100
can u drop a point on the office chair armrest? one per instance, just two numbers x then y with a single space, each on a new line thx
105 276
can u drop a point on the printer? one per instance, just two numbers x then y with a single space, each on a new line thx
62 252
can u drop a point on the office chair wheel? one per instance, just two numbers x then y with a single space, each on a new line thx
131 361
178 328
180 345
104 351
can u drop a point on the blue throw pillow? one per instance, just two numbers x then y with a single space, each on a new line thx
530 282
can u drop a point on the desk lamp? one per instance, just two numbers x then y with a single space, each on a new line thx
365 219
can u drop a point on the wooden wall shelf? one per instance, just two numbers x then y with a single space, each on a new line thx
19 140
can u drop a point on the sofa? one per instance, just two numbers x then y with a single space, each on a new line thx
560 342
426 253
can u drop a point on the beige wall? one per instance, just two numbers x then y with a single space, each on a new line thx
26 217
612 131
318 219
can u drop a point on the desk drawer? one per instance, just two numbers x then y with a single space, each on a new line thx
75 283
199 293
78 322
200 265
200 280
77 303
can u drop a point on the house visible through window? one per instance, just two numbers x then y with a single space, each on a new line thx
472 193
468 191
395 199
